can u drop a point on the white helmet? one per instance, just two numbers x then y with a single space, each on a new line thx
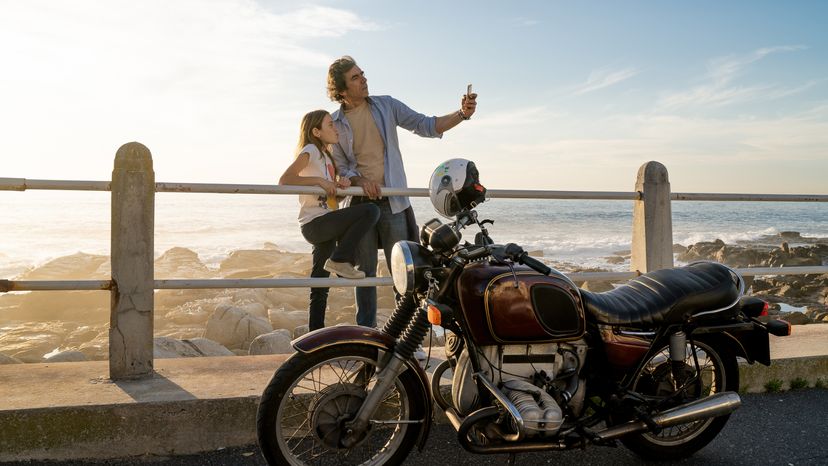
455 186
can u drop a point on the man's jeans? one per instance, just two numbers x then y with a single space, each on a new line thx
389 229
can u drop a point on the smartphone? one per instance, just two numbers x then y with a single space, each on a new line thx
469 90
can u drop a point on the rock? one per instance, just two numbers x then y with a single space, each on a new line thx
737 256
98 348
788 291
615 260
166 347
30 342
785 248
701 251
234 328
187 316
208 347
259 263
796 318
254 309
275 342
66 356
180 263
679 249
300 330
83 334
5 359
790 235
597 286
760 284
282 318
79 266
627 252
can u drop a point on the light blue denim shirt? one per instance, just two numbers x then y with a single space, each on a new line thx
388 113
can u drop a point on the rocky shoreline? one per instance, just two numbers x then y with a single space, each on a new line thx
60 326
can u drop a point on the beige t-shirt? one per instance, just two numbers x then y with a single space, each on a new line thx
368 146
312 205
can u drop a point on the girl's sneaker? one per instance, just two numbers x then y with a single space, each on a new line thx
343 269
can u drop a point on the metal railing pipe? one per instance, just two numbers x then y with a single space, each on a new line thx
801 270
55 285
218 283
749 197
23 184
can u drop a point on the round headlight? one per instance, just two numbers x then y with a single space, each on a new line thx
402 267
408 262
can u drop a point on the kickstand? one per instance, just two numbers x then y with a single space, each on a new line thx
511 461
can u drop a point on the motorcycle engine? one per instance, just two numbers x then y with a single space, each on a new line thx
536 378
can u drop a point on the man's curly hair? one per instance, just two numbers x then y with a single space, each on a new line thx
336 76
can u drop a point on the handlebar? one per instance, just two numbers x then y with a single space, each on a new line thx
510 251
517 254
534 264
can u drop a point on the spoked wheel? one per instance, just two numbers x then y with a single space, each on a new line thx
717 372
304 411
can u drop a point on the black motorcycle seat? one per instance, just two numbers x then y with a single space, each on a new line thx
666 296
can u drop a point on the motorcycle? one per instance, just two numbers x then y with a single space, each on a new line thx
535 363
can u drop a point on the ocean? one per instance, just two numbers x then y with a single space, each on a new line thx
37 226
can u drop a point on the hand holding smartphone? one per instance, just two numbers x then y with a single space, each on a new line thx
468 104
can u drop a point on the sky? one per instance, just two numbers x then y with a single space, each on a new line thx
729 96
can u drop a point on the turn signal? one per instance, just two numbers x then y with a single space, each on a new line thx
434 315
780 328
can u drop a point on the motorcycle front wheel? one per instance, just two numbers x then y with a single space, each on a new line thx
717 372
304 410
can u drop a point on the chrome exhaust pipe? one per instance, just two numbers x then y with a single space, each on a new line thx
716 405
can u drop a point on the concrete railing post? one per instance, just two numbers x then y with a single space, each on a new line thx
652 241
132 249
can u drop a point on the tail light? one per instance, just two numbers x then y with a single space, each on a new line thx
753 307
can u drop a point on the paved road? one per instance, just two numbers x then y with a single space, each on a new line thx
786 429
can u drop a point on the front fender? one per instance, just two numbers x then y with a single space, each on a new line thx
329 336
350 334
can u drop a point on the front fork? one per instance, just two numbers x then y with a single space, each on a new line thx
410 336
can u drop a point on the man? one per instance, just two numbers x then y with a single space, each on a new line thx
368 153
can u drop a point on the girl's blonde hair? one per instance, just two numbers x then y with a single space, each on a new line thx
310 121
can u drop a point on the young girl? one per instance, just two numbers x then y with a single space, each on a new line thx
333 232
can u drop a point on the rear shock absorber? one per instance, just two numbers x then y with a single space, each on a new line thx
678 354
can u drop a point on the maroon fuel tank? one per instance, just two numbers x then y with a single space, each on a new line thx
540 309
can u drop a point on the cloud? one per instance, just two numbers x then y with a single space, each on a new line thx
719 89
601 79
197 81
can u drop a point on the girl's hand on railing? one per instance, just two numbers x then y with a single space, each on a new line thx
328 186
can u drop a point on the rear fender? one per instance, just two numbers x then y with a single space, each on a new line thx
748 340
350 334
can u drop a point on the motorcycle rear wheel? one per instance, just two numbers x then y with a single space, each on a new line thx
719 372
305 406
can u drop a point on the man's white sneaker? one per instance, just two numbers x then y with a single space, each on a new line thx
343 269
